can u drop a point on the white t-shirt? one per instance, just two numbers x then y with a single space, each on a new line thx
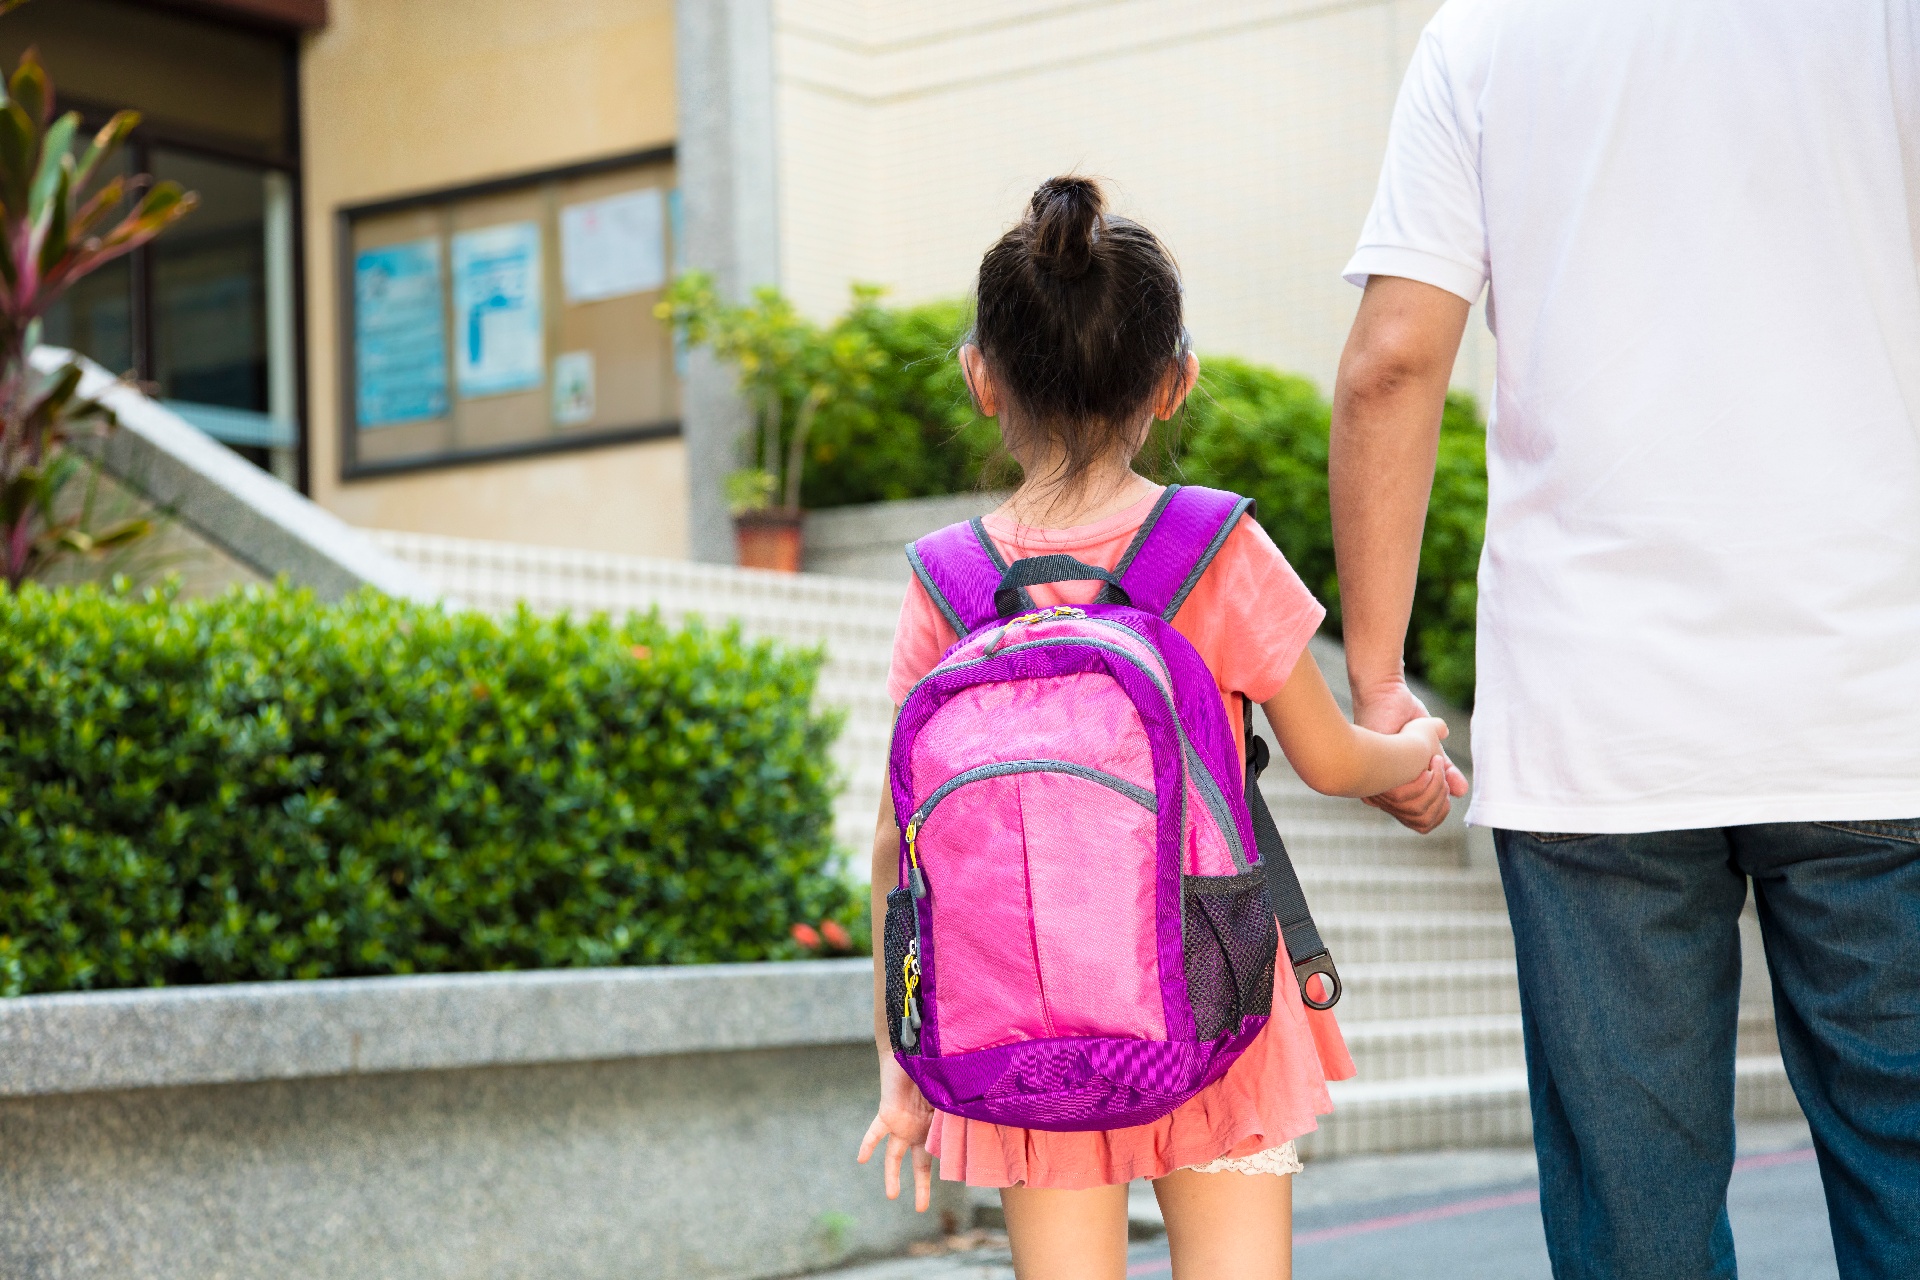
1699 221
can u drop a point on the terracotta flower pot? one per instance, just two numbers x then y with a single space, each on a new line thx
769 539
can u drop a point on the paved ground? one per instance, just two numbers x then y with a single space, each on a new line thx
1445 1207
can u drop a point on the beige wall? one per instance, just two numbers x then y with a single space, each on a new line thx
1248 133
400 96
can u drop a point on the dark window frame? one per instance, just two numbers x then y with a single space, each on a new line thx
140 146
351 468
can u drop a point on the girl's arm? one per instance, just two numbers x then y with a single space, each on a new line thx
1337 758
904 1117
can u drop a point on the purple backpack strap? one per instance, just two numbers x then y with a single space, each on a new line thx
960 568
1176 543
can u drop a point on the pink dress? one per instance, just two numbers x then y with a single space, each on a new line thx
1250 617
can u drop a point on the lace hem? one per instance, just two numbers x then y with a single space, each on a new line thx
1281 1160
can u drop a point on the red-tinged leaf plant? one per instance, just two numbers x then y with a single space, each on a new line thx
56 226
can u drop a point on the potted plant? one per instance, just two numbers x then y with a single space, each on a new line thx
790 369
53 233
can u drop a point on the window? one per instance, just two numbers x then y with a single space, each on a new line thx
509 318
209 312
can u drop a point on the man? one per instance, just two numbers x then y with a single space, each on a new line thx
1699 638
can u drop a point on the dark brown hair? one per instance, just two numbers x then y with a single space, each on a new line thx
1078 316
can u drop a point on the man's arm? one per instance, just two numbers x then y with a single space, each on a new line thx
1387 401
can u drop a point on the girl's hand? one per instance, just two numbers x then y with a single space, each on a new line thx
904 1120
1423 804
1429 732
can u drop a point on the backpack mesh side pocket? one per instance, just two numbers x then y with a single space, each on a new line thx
1231 942
898 936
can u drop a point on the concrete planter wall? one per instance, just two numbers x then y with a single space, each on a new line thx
695 1122
866 541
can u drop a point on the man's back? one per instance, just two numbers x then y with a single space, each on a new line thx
1700 601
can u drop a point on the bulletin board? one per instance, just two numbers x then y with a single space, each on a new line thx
509 317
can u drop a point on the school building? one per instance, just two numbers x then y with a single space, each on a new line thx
420 285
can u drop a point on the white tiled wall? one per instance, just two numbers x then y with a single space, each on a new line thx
1248 133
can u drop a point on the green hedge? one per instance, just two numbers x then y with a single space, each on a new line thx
261 786
913 433
1248 428
1264 434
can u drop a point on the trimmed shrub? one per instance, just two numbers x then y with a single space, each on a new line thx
913 432
260 786
1264 434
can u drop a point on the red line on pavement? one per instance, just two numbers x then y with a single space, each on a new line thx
1436 1214
1799 1155
1482 1204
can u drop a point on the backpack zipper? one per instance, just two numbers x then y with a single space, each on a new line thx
1138 794
1190 759
916 879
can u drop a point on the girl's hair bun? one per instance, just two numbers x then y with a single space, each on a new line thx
1067 216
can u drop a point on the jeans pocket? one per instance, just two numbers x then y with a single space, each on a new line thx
1557 837
1905 829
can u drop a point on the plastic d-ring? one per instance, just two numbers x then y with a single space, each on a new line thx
1321 964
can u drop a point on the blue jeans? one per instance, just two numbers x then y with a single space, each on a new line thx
1629 955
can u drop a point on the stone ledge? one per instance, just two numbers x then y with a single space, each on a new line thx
246 513
85 1042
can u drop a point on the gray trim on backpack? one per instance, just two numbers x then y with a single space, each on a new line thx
1146 528
1000 769
1190 761
921 572
1217 805
1240 508
979 527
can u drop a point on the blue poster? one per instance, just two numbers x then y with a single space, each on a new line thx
499 345
399 334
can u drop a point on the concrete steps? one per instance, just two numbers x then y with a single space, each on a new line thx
1485 1109
1431 1007
1478 1044
1333 887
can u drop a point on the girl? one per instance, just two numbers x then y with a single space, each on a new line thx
1078 346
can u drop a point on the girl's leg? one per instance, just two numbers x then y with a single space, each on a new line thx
1228 1226
1067 1235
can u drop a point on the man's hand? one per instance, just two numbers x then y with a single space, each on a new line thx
904 1120
1424 803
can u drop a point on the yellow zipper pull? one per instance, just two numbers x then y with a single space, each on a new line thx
915 881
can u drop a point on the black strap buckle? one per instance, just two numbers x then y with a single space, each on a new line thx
1322 964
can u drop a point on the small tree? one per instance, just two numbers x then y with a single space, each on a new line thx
790 369
53 233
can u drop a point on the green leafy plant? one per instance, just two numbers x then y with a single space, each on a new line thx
53 232
1264 434
262 786
915 434
911 431
790 369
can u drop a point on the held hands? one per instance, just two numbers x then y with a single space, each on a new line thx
1424 803
904 1120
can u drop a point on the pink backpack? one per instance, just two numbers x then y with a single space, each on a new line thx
1084 932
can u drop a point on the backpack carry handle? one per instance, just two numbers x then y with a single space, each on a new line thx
1011 596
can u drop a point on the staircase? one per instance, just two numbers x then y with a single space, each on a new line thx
1431 1009
851 618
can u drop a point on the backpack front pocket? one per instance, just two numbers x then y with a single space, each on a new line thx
1232 942
900 956
1042 877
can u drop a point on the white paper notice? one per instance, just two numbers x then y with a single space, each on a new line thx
496 304
573 388
614 246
